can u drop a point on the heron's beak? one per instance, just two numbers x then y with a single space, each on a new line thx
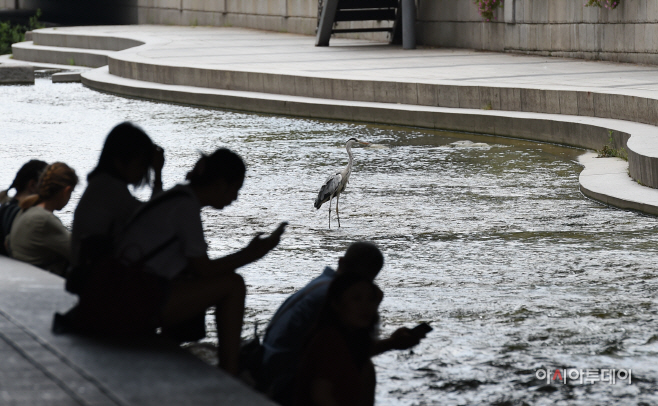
364 143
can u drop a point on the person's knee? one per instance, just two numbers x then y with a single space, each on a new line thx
237 284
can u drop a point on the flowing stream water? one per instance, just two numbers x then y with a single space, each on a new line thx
487 238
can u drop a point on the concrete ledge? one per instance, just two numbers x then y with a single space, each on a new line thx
42 65
576 131
91 371
66 77
27 51
12 73
52 38
607 180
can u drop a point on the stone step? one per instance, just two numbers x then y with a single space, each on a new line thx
52 38
66 77
77 370
27 51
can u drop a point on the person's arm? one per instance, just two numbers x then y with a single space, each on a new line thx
256 249
401 339
157 165
56 237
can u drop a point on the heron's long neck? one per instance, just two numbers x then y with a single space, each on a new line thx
350 159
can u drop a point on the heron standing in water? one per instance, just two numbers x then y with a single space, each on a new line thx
335 184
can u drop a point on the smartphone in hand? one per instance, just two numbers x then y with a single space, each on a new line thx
279 230
422 329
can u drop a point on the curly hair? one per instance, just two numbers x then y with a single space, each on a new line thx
54 178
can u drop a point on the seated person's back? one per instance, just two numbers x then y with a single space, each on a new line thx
37 235
105 207
25 184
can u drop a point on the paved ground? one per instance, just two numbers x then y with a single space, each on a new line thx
252 50
40 368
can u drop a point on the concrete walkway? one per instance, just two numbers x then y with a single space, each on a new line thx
579 103
40 368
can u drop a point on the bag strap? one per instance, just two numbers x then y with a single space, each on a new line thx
158 249
161 198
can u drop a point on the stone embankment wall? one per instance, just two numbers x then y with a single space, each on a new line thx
628 33
545 27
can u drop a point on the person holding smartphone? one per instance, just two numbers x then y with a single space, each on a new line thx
296 317
162 277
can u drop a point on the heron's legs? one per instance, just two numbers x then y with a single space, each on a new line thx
337 215
330 199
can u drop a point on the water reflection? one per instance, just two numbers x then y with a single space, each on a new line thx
488 238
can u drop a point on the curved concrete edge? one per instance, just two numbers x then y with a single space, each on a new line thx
42 65
632 105
52 38
149 372
576 131
27 51
544 101
607 180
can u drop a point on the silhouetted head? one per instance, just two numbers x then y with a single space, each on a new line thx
362 257
353 299
127 155
26 179
56 184
219 176
351 307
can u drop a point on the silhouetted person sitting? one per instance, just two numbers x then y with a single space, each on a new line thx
177 281
25 184
128 158
335 368
293 321
37 235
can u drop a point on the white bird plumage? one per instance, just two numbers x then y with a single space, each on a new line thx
335 184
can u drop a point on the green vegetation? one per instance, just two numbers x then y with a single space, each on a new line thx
610 150
11 34
609 4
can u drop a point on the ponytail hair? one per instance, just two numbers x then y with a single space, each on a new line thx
54 178
222 164
31 170
124 143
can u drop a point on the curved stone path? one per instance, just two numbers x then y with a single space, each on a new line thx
579 103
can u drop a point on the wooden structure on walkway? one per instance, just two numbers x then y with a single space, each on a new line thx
333 11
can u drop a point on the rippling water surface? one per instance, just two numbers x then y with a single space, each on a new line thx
489 240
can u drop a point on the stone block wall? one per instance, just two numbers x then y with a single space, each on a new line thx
545 27
297 16
628 33
7 4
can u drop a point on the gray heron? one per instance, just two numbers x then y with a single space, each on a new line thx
335 184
